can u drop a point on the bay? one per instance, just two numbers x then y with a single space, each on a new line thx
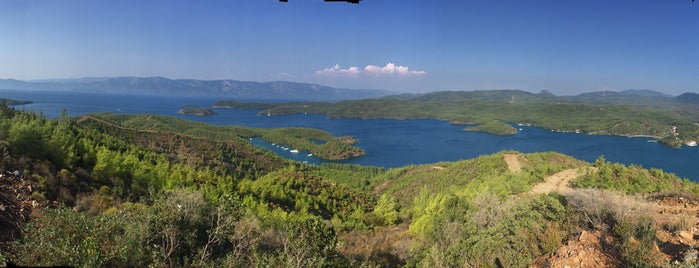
388 143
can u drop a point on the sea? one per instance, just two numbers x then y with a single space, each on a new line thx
388 143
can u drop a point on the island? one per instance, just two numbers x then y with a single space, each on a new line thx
494 127
195 111
233 104
320 143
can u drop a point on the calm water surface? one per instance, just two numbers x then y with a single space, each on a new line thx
388 143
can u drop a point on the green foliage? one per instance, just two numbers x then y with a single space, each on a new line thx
632 179
473 176
306 242
638 242
63 237
356 177
495 127
456 235
307 194
386 209
160 191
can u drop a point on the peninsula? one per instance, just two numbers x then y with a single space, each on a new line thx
11 102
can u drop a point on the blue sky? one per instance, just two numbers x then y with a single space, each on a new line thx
566 47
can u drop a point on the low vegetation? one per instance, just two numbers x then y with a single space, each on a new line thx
124 191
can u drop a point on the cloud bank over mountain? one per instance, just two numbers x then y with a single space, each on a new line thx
389 69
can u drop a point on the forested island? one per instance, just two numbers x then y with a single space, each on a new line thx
671 121
232 104
195 110
143 190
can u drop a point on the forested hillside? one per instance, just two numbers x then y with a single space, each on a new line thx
144 190
493 111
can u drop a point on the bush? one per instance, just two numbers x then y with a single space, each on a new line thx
637 242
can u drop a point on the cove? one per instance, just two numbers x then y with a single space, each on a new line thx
388 143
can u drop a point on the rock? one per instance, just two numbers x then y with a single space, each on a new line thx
685 235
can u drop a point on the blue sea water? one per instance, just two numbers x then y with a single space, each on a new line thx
388 143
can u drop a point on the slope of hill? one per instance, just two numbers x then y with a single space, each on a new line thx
692 98
645 92
159 191
10 102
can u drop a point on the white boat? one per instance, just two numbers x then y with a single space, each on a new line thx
294 151
691 143
309 155
285 149
274 144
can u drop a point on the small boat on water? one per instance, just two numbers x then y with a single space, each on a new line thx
691 143
294 151
309 155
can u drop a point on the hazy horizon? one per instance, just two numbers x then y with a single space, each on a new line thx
48 80
566 48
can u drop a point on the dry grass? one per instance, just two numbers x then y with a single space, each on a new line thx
602 207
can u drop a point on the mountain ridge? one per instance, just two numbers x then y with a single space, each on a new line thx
198 88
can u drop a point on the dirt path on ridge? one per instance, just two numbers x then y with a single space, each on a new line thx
559 182
513 162
585 250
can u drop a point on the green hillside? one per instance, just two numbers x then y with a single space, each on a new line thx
144 190
493 110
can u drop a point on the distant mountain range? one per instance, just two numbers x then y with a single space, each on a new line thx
626 97
284 90
688 98
200 88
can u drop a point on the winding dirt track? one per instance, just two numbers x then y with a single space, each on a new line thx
587 251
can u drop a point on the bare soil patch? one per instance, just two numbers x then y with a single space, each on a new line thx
514 162
559 182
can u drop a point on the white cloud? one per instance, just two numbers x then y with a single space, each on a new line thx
389 69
